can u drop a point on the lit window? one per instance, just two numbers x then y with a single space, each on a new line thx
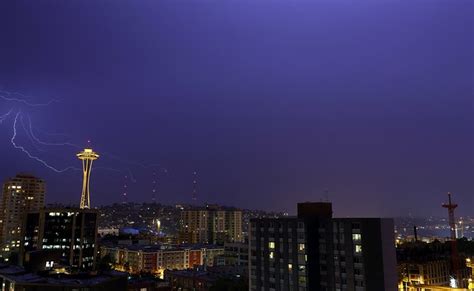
290 267
49 264
358 249
301 247
271 245
356 236
271 255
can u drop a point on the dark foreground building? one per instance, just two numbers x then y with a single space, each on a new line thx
70 231
16 278
205 279
317 252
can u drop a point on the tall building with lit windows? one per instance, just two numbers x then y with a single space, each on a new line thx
317 252
21 194
211 225
72 232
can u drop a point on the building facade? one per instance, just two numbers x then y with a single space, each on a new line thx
20 195
157 258
236 253
435 273
205 279
314 251
73 231
210 226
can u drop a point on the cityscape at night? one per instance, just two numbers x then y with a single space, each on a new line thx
261 145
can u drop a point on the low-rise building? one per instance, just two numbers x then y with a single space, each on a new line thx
435 272
429 266
157 258
16 278
147 283
203 279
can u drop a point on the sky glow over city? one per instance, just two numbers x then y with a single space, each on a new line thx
270 102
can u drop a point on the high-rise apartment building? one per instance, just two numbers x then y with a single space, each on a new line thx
71 231
211 225
317 252
21 194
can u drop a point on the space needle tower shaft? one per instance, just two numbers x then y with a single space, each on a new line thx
87 156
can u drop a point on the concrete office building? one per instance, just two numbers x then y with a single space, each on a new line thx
317 252
21 194
71 230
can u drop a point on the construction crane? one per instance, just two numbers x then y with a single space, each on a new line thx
452 226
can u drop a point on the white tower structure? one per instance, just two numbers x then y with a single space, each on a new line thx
87 156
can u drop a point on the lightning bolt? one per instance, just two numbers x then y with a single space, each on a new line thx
131 176
35 138
11 96
135 163
44 163
4 116
29 131
28 135
108 169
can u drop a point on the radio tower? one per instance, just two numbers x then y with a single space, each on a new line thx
452 226
194 186
87 156
125 189
153 190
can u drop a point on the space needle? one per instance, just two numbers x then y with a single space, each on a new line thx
87 156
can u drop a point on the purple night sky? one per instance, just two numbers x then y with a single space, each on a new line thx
271 101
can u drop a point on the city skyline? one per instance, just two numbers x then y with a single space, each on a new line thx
270 104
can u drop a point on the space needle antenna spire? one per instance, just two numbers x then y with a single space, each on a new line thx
87 156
